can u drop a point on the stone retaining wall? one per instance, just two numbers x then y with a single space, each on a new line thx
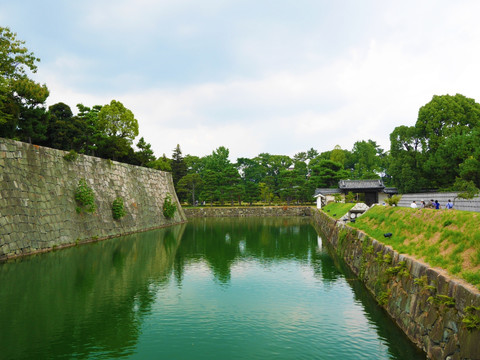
38 210
427 304
248 211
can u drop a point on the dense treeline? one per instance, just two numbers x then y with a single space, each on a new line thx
272 178
440 151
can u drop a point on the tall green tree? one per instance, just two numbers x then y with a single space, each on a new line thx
144 155
445 125
445 116
210 191
441 147
291 182
92 137
115 120
15 58
368 160
227 176
64 130
20 96
273 165
406 158
179 167
252 173
326 174
190 185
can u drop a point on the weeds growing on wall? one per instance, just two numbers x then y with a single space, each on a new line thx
169 208
85 197
118 210
472 318
71 156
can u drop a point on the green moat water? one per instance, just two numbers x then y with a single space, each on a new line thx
257 288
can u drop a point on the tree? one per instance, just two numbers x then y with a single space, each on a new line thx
162 163
179 168
405 159
367 157
326 174
470 170
252 173
338 155
144 155
92 138
266 194
434 152
190 184
291 182
312 154
115 120
19 95
445 116
210 186
466 189
32 125
273 165
194 164
231 188
15 58
64 130
115 148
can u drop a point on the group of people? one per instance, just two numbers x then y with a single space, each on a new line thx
431 205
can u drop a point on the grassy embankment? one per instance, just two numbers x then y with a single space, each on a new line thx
449 239
337 210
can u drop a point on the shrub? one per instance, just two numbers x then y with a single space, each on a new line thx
169 207
71 156
85 197
350 197
118 209
393 201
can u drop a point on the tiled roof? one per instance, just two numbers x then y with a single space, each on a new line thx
361 184
326 191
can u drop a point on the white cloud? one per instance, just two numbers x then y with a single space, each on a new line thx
284 86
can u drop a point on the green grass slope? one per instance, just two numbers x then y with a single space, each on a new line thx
449 239
337 210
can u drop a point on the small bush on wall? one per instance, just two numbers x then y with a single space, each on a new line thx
71 156
85 197
118 210
169 207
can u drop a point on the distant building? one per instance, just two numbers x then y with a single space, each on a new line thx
373 191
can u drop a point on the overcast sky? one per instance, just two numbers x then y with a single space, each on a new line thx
254 76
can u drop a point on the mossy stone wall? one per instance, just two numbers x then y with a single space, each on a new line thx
426 303
38 211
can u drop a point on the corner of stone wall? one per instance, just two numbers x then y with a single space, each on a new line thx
38 211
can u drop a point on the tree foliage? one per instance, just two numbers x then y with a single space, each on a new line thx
115 120
442 146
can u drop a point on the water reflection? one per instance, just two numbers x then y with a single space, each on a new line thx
282 295
83 300
223 241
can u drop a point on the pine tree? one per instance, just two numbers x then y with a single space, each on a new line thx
179 168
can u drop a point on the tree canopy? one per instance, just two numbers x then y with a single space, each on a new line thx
441 147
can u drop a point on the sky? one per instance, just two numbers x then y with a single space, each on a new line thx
279 77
